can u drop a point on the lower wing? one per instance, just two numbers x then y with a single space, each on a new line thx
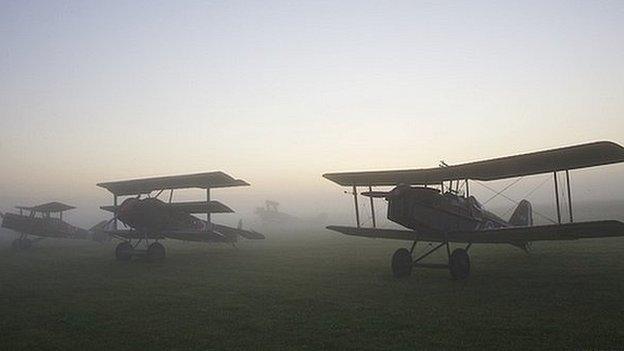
131 234
397 234
509 235
566 231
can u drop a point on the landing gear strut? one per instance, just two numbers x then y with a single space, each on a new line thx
401 263
125 250
458 262
156 252
21 244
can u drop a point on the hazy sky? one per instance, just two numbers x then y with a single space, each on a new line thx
278 93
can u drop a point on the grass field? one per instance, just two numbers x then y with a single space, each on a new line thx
310 291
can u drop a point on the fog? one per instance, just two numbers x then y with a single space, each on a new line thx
308 199
278 95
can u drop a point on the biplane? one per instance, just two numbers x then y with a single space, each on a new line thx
39 221
431 204
148 218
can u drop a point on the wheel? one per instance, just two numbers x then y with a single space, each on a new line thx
155 252
123 251
24 244
459 264
401 263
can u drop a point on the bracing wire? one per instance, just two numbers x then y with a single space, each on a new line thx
505 188
527 195
516 202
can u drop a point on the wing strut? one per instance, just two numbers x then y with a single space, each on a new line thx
208 223
569 195
567 175
557 197
370 189
115 214
357 210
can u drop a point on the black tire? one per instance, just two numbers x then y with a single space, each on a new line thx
25 244
123 251
401 263
156 252
459 264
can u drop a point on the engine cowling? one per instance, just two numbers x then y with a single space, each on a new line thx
146 214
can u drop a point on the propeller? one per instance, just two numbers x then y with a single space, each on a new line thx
376 194
397 191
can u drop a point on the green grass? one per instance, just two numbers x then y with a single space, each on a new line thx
311 291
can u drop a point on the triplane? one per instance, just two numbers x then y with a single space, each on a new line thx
148 218
39 221
428 201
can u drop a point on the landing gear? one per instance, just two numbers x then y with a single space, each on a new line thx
156 252
459 264
123 251
21 244
401 263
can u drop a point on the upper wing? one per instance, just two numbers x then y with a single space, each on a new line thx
147 185
567 231
48 207
189 207
565 158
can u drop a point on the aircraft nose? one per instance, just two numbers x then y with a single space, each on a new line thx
126 211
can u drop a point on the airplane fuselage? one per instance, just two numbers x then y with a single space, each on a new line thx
43 227
152 218
428 210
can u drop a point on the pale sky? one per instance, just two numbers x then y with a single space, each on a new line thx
278 93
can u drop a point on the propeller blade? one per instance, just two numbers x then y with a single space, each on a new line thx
376 194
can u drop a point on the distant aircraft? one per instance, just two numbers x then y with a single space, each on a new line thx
40 223
270 214
425 201
150 218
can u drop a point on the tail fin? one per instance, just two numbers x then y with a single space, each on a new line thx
523 215
98 231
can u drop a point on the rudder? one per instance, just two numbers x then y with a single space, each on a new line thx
523 215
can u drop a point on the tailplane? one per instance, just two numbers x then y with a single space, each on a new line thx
523 215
